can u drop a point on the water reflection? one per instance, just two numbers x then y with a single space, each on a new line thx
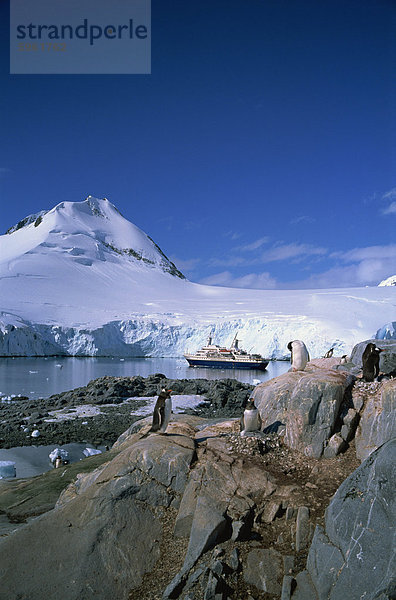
41 377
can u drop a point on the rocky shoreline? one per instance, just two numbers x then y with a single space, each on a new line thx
108 405
302 510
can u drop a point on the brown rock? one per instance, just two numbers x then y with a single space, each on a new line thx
307 402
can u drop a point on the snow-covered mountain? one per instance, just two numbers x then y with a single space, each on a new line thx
388 281
80 279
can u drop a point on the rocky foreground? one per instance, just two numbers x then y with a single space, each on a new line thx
303 510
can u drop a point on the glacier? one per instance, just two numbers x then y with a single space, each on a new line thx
81 280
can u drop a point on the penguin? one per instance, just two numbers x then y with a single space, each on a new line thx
299 355
343 360
162 412
329 353
370 362
58 462
251 420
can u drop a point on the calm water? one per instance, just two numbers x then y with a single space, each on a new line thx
33 460
41 377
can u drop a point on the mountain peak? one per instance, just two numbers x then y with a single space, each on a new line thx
89 232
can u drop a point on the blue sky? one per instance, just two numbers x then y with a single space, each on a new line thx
260 152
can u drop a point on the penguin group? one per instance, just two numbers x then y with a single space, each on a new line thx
251 420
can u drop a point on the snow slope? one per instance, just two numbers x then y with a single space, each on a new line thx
80 279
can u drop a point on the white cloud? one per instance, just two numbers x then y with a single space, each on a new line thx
390 210
253 245
232 261
302 219
233 235
368 252
277 252
368 266
291 251
357 267
391 198
262 281
391 195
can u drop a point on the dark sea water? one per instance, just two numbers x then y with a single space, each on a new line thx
41 377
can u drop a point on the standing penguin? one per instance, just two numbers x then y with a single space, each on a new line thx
162 411
251 420
370 361
299 355
344 360
329 353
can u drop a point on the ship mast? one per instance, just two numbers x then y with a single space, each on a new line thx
235 341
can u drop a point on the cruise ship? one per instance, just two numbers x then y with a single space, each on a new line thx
219 357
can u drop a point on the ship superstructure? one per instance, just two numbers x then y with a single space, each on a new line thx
221 357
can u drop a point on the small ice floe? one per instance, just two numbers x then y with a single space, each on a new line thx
32 372
7 469
84 423
58 365
26 430
256 381
91 452
35 433
59 457
122 359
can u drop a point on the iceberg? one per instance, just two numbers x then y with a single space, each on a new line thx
387 332
7 469
59 452
91 452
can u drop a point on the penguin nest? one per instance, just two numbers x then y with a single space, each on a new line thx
255 443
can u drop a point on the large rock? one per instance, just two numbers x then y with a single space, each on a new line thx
92 545
378 421
307 403
264 570
219 498
387 358
354 556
